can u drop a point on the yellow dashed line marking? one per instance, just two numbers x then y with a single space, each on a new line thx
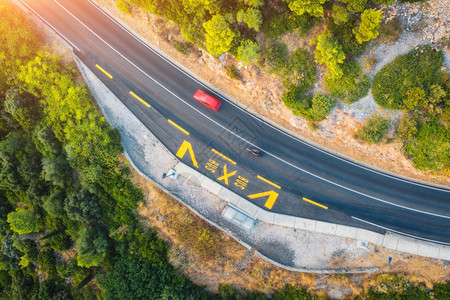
178 127
269 182
139 98
315 203
223 156
103 70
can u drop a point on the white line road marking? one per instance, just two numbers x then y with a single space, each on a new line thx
399 232
259 119
226 129
48 24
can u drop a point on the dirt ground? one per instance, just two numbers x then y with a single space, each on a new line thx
262 94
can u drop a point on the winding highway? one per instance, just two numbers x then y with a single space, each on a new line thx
291 176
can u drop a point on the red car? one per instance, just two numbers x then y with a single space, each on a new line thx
207 100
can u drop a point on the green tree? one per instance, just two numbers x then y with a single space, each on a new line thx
47 143
47 262
219 36
56 170
61 241
247 51
22 107
53 289
54 203
330 53
91 246
312 7
374 130
368 28
25 220
340 15
82 207
10 257
251 16
133 278
355 5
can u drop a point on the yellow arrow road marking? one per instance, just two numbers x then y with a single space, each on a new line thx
178 127
315 203
103 70
223 156
186 146
270 201
139 98
269 182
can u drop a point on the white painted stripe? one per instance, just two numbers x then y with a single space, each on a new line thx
399 232
263 121
248 142
48 24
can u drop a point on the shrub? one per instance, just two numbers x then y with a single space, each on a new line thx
352 86
418 68
374 130
233 72
123 7
301 71
182 47
275 57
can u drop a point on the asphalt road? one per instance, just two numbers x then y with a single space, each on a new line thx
291 177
